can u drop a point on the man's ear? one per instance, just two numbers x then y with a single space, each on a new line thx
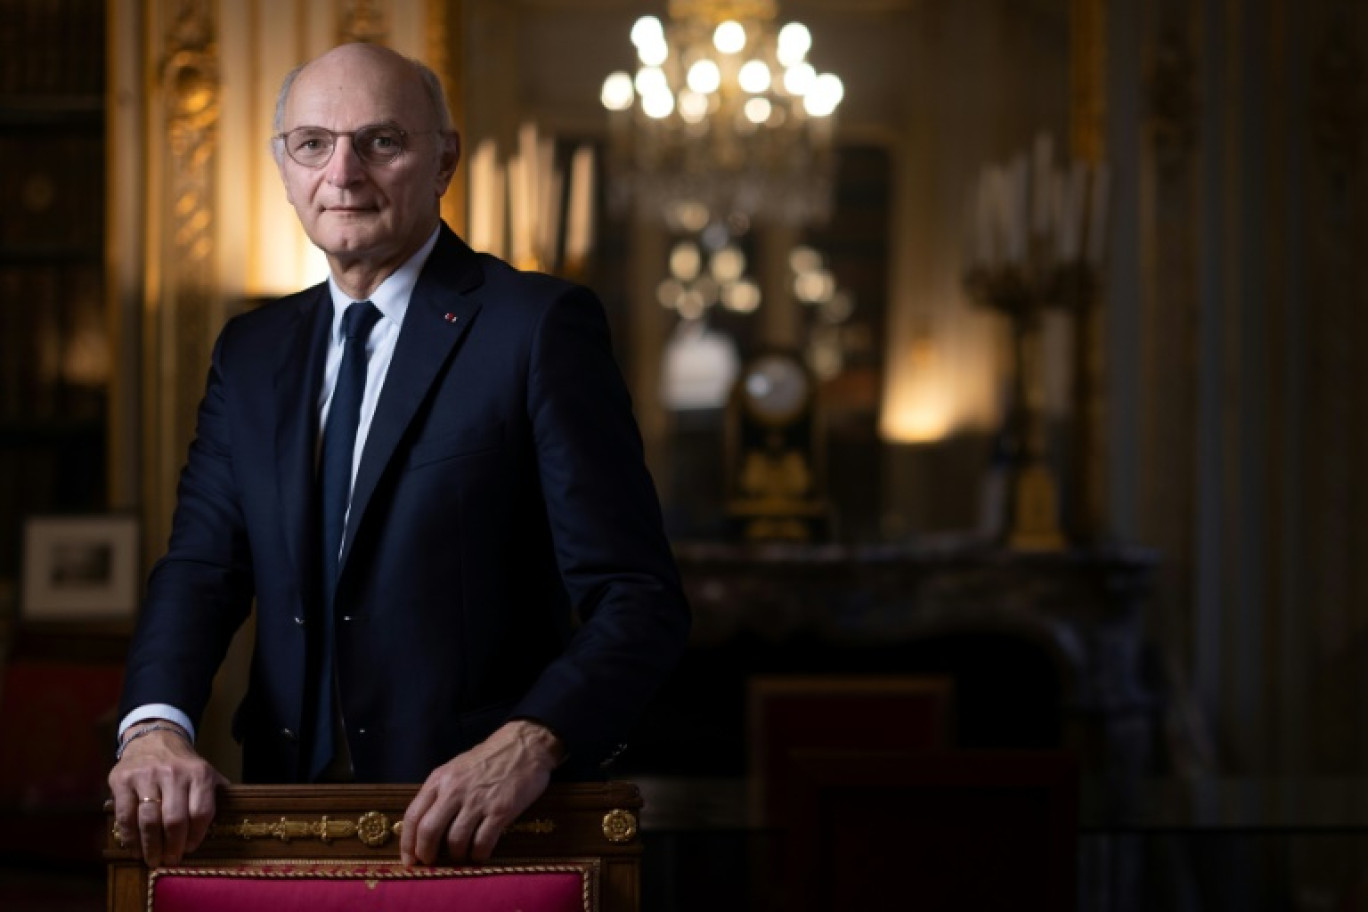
279 154
448 158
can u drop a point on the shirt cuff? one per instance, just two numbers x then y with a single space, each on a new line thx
157 711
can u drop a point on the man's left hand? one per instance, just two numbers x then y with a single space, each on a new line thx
470 800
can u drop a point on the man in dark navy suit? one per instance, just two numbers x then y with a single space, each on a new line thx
426 473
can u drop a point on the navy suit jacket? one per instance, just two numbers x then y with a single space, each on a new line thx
504 551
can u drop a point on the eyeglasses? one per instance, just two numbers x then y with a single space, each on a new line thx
377 144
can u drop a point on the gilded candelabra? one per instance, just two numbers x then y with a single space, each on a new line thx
1036 239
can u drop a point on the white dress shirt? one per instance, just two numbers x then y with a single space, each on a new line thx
392 300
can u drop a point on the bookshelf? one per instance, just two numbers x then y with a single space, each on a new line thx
55 355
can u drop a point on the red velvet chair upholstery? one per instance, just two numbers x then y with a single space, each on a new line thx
934 831
867 714
335 848
57 720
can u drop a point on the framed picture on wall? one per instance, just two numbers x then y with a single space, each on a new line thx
80 568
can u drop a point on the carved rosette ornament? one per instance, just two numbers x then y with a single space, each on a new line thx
619 826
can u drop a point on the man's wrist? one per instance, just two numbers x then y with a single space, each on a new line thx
147 727
546 740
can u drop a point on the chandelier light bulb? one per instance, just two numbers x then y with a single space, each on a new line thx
754 77
794 42
618 93
728 264
693 107
653 53
704 76
647 30
826 93
798 79
758 110
651 80
730 37
668 292
723 124
741 297
692 304
686 261
658 105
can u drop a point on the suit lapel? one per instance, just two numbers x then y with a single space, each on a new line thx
302 354
439 315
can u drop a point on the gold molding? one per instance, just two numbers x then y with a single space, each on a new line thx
181 288
446 57
361 20
714 12
371 828
1088 79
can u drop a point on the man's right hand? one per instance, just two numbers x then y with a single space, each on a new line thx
163 796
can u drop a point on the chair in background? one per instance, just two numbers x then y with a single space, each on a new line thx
334 848
57 717
864 714
937 831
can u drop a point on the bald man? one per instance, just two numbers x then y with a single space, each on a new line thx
425 474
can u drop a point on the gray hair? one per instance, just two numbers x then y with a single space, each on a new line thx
432 87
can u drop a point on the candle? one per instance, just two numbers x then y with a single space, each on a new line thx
1075 199
1020 219
1097 219
1042 185
579 233
482 199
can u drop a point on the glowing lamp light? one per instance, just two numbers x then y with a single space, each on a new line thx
921 419
704 77
754 77
730 37
693 107
654 54
799 78
651 80
618 93
658 105
794 42
758 110
647 30
826 93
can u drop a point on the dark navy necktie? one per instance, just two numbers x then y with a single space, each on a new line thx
335 482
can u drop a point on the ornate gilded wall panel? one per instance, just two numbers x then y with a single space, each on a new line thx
181 290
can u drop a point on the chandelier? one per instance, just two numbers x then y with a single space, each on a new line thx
725 119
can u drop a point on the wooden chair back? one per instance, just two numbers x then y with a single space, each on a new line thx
334 846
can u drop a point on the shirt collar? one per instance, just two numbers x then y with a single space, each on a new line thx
392 297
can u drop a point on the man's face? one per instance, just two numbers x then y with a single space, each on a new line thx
372 215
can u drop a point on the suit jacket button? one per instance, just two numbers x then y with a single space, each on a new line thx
287 735
299 620
347 618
